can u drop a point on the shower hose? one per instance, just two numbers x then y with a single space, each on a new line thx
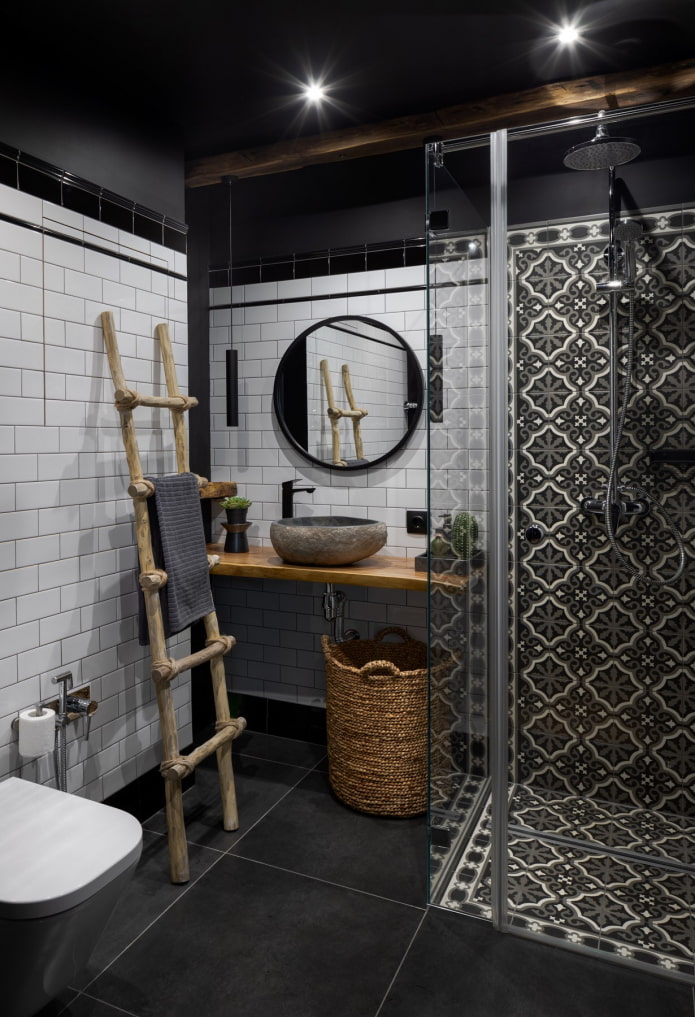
639 491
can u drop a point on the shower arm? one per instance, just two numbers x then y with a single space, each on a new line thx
612 495
613 216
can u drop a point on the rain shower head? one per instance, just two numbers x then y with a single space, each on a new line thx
601 152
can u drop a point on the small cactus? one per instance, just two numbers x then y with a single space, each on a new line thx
464 535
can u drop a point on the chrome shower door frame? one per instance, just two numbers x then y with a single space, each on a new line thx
498 633
498 563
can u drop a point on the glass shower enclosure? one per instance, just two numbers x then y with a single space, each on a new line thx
561 431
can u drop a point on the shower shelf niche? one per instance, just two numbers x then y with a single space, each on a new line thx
672 457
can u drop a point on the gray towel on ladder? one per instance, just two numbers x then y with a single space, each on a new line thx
178 545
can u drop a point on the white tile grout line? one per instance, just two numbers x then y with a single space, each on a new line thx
154 921
223 854
284 738
327 882
400 965
189 886
297 766
277 868
111 1006
307 771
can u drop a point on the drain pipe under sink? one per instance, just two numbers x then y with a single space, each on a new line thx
333 611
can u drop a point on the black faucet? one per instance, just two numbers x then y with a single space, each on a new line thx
288 490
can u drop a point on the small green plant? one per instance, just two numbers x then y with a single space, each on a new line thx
235 502
440 547
464 535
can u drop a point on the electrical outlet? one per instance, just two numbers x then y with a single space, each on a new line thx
416 521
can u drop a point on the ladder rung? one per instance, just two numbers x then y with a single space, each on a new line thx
184 765
142 488
351 414
167 670
127 399
154 580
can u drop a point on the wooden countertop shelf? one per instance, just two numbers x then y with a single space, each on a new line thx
381 570
223 489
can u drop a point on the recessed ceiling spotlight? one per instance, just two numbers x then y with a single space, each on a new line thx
314 92
567 35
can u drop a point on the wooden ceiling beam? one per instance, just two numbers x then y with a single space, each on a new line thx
534 106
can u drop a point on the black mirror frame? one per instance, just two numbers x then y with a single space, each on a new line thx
416 388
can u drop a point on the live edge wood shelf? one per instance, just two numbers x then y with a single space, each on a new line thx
381 570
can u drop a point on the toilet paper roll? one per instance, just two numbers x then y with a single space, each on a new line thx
36 732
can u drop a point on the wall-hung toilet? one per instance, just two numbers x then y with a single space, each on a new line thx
64 861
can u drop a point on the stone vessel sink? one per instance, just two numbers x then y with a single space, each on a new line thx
326 540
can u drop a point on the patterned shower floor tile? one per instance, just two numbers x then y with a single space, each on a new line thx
638 909
454 800
604 823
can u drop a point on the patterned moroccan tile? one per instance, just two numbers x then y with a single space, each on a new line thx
625 906
602 630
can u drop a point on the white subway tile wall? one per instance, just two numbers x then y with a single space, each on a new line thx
68 595
460 441
278 626
377 378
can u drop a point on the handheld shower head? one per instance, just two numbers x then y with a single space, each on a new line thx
628 230
621 256
627 233
601 152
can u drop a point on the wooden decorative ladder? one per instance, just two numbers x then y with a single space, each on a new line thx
174 767
355 413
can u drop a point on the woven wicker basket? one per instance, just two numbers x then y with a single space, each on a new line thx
376 715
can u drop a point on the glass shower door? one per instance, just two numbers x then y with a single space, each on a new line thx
459 513
602 816
561 381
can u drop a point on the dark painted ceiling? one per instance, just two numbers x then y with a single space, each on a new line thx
218 76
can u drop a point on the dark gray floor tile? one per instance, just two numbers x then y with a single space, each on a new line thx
259 784
85 1006
310 831
59 1005
458 965
255 941
146 896
280 750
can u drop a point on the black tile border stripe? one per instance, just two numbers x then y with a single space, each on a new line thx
56 234
409 253
33 176
311 297
406 253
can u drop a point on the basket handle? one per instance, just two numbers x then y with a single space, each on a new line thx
379 669
397 630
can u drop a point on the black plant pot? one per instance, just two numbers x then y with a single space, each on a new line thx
236 527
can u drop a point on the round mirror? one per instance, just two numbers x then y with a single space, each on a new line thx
348 393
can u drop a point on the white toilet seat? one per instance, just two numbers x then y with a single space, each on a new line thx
57 850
